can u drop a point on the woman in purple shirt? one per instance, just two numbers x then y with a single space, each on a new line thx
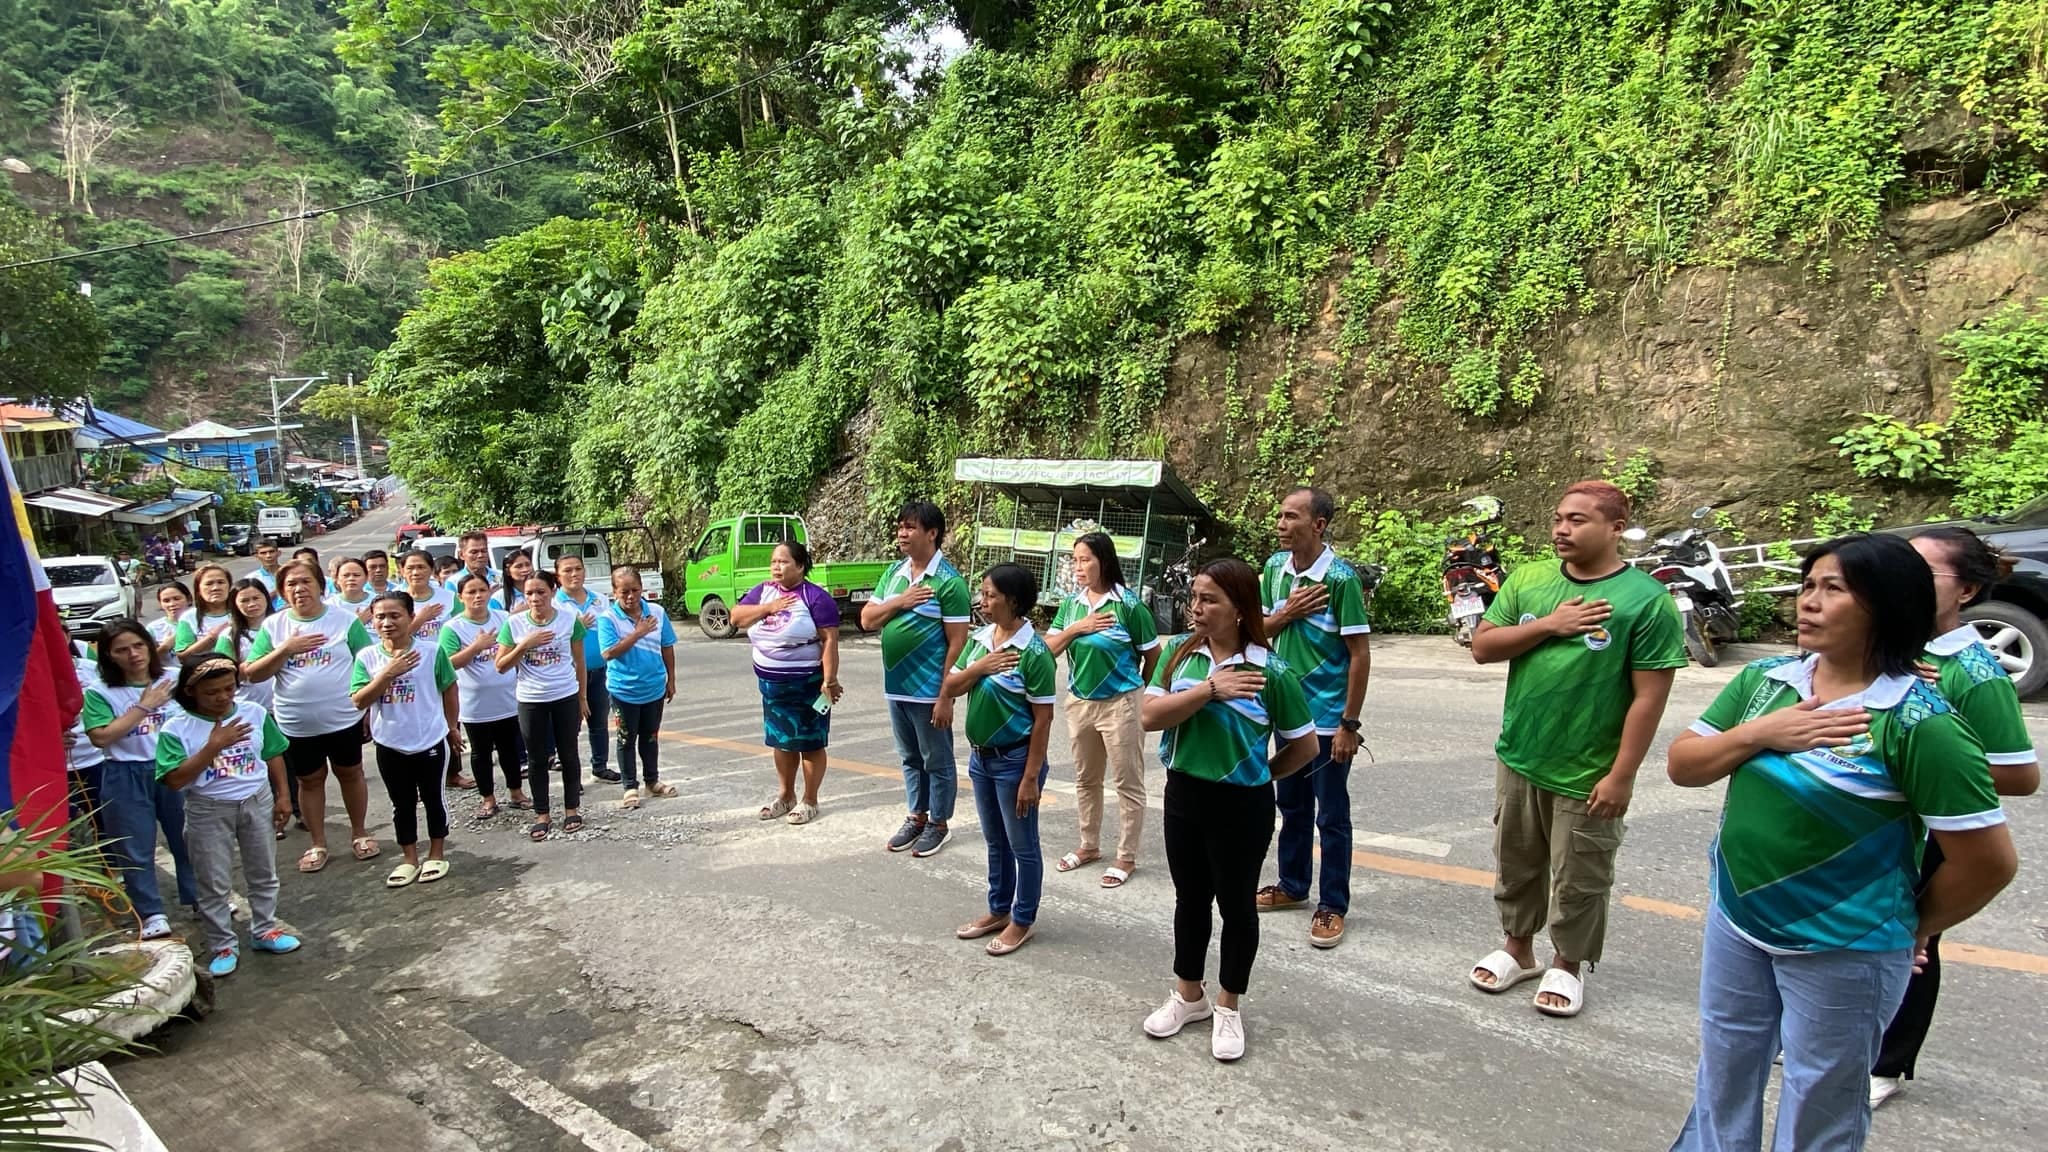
794 627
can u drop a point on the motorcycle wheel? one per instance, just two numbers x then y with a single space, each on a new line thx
1465 629
1698 645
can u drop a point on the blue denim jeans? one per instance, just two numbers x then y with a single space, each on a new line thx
132 806
598 694
1316 802
1016 868
1830 1009
930 780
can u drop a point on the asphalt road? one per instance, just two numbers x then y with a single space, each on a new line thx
686 976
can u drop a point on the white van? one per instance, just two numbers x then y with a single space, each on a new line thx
595 552
281 524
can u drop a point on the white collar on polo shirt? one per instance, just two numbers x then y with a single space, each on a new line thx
1883 693
1315 570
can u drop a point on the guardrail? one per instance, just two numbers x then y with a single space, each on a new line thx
1753 567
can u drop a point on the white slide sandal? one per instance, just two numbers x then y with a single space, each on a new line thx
1506 972
1559 982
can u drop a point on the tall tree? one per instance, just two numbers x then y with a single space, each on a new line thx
50 337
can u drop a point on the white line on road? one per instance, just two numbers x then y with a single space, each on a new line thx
553 1105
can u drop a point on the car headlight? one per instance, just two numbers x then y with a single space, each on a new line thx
111 610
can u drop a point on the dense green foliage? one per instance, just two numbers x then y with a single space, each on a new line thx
229 111
1989 454
50 337
1001 256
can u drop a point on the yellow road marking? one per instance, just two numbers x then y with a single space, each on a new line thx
2028 963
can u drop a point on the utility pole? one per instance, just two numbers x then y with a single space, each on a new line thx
355 429
277 413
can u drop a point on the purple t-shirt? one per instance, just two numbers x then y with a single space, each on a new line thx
786 644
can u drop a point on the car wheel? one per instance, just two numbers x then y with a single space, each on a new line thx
2017 637
714 618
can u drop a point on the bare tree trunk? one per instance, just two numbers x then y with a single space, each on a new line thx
81 133
297 230
675 152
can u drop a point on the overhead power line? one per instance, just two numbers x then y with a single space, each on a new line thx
352 205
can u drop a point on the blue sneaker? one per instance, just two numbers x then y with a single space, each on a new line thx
223 963
277 940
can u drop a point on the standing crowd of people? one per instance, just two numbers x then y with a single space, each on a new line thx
1861 820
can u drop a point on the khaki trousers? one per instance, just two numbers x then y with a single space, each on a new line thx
1554 864
1106 735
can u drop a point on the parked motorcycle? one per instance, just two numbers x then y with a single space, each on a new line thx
1688 563
1472 569
1175 587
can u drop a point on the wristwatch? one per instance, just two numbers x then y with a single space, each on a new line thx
1350 725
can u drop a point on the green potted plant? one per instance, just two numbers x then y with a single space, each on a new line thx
67 996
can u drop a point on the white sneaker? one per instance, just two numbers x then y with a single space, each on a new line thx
156 927
1226 1036
1176 1014
1883 1088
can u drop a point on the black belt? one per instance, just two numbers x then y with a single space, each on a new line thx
992 751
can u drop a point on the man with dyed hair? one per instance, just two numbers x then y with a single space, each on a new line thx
1592 646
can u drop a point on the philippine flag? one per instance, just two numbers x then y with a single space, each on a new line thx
39 692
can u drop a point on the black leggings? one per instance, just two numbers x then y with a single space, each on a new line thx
494 737
412 779
638 726
1216 841
550 730
1908 1029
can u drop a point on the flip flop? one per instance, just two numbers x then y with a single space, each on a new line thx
573 822
1559 982
1507 972
401 876
313 860
777 810
1073 860
1114 877
463 782
433 870
996 947
803 814
522 805
488 809
362 853
974 930
538 830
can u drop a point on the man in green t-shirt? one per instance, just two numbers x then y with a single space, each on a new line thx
1592 646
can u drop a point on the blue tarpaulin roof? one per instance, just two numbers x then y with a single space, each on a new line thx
98 424
180 501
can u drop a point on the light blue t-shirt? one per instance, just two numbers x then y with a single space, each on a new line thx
639 676
591 607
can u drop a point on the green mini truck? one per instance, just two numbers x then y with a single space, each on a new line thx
732 556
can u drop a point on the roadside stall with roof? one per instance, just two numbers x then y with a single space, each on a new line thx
167 516
1030 512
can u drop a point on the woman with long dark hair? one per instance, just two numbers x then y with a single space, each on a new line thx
1972 679
511 595
212 613
1235 719
1838 763
1112 646
124 710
